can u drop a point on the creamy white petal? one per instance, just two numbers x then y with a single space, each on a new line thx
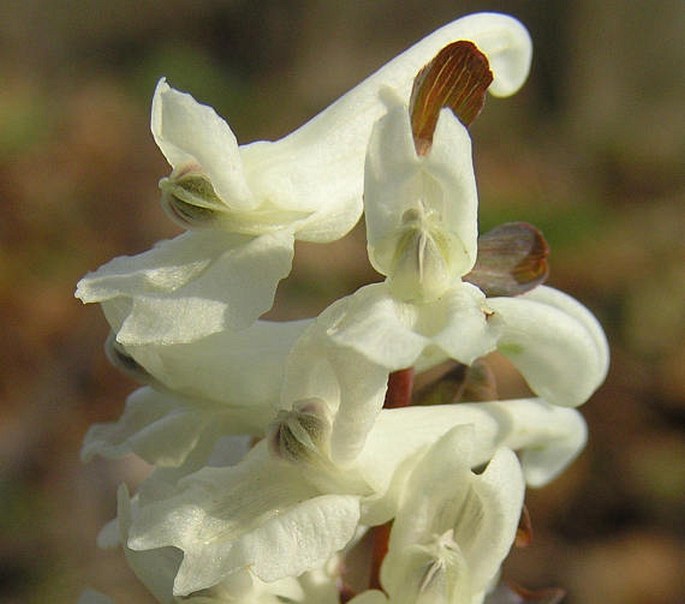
555 342
157 568
442 474
362 392
164 430
568 304
259 514
547 436
154 426
226 518
486 532
321 585
561 354
243 368
329 150
352 387
395 334
189 287
552 339
190 134
454 528
440 187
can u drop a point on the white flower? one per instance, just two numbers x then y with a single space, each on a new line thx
454 528
247 204
226 383
284 512
421 216
157 568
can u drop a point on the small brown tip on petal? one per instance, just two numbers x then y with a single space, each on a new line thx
458 77
524 531
512 259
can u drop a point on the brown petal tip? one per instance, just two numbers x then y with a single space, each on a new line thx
512 259
458 77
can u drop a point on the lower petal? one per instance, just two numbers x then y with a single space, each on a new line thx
555 342
191 286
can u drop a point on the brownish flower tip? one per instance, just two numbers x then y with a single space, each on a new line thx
458 77
512 259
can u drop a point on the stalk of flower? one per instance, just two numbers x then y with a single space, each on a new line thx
245 205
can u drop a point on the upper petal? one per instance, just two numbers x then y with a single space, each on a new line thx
396 335
190 134
549 438
477 514
165 430
438 188
234 368
352 386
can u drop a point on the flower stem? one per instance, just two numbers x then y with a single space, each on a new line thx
379 548
400 385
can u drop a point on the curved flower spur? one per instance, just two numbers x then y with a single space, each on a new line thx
245 205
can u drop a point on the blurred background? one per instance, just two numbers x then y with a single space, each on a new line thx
592 151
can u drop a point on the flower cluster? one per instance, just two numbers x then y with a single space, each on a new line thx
289 460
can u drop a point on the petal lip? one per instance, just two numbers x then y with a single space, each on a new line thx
189 287
261 513
556 343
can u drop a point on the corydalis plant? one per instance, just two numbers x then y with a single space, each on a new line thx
282 449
